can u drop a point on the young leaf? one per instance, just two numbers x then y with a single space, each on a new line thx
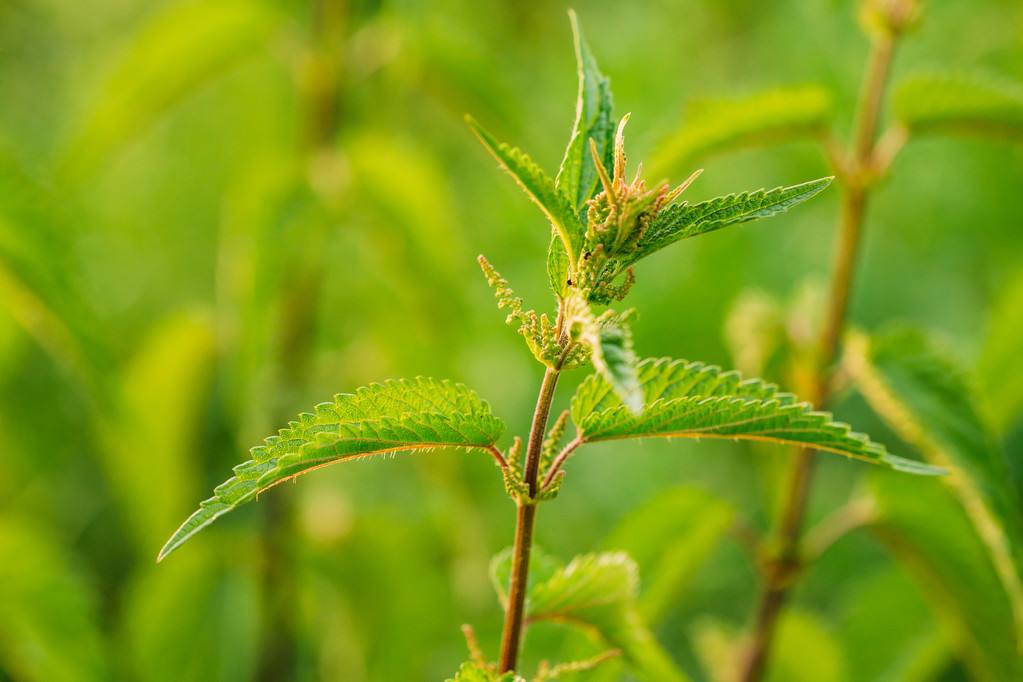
693 400
538 186
557 265
924 527
615 360
960 103
926 399
577 177
596 592
683 221
774 116
396 416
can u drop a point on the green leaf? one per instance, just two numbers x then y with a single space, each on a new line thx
596 592
474 672
925 397
50 626
178 50
615 360
577 176
396 416
1000 370
924 527
774 116
671 536
960 103
557 266
693 400
41 280
682 221
891 630
539 187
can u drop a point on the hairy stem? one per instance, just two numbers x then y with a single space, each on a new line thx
857 177
525 520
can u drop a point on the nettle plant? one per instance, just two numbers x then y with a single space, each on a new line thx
602 224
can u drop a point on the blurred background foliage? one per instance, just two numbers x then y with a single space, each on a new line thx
216 213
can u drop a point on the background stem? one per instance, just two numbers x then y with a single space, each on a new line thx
525 520
857 179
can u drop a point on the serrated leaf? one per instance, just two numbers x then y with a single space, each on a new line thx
682 221
960 103
925 397
924 527
538 186
577 176
396 416
596 592
176 51
694 400
671 536
774 116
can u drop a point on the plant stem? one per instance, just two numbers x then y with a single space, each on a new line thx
525 520
857 179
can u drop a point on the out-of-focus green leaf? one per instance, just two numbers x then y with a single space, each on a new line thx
682 221
889 632
594 120
961 104
396 416
804 650
39 282
774 116
692 400
925 397
178 49
49 624
407 188
153 439
539 187
193 620
596 592
1000 371
923 525
670 537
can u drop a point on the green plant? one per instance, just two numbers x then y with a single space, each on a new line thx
602 225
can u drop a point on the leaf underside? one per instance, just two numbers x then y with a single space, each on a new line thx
615 360
396 416
682 221
693 400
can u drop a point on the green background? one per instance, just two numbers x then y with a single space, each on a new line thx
214 215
